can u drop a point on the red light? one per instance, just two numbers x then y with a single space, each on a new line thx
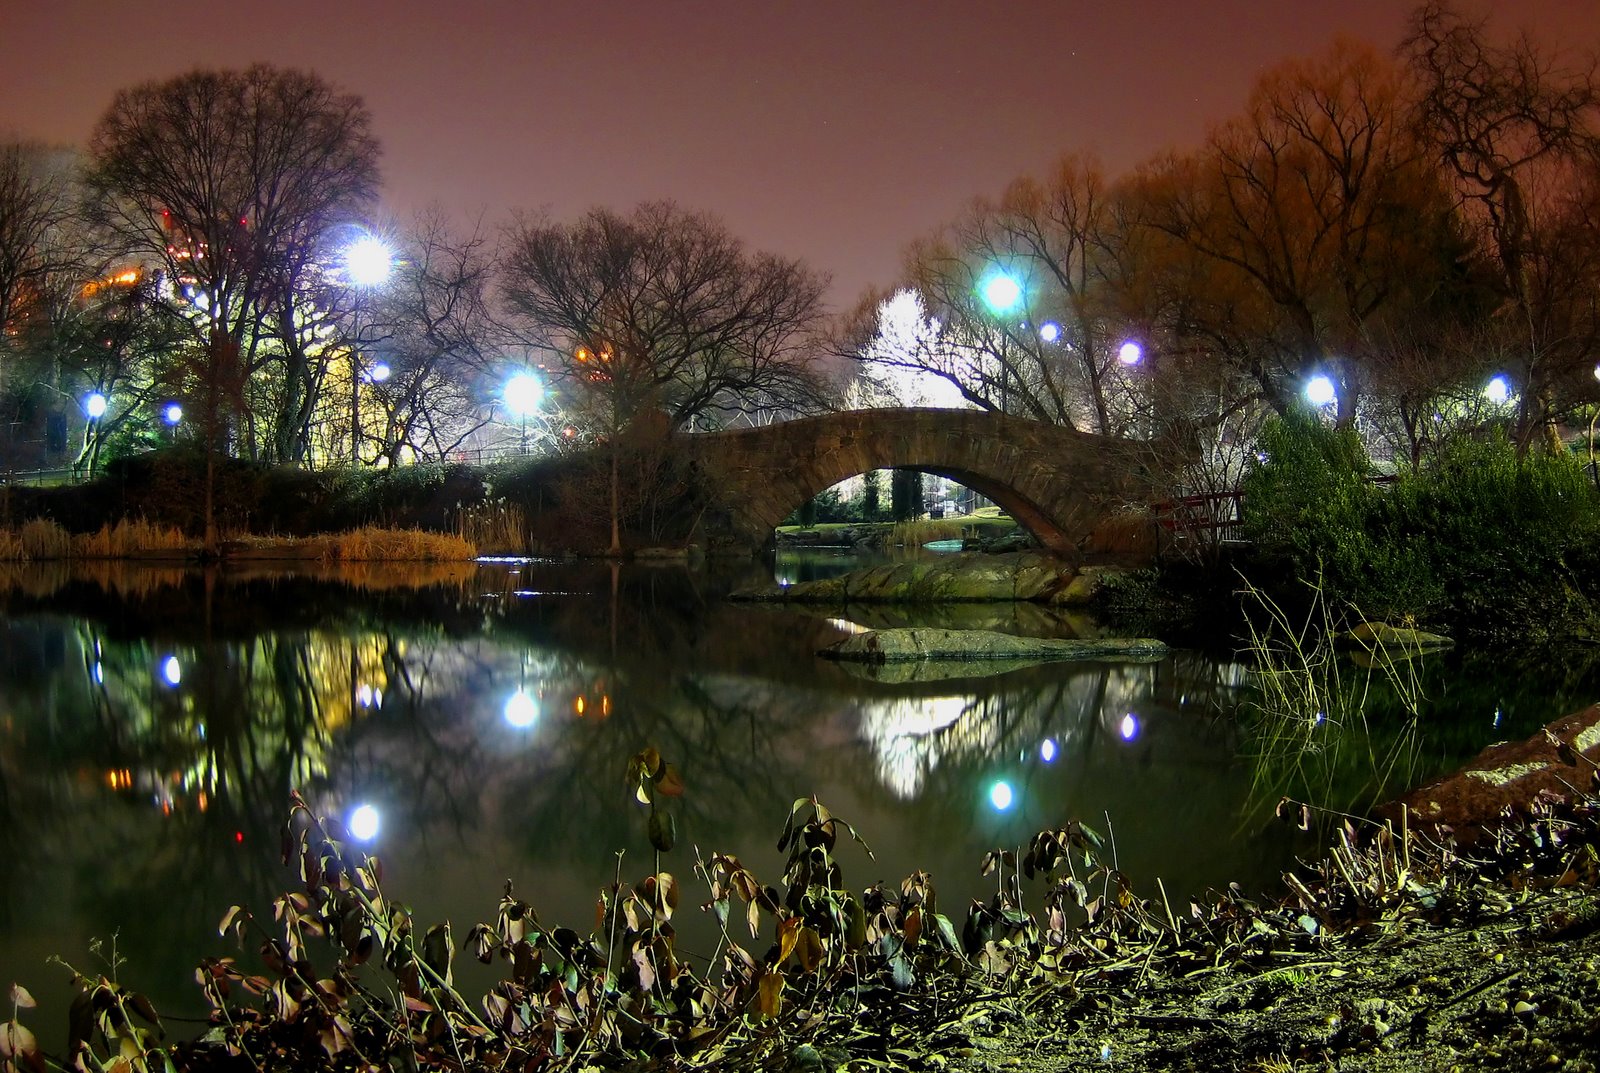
238 836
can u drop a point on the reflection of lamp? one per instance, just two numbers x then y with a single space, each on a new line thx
1001 795
521 710
1047 750
1129 727
364 823
172 671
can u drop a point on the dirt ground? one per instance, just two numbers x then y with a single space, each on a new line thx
1507 995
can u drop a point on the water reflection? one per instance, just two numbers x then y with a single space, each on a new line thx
478 727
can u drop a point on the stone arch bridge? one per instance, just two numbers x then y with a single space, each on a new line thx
1057 483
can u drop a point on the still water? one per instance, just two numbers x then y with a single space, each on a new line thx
153 723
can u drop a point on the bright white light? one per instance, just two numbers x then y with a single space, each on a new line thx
379 372
522 711
1049 331
1597 372
1000 796
364 695
1047 750
1129 728
523 393
172 414
1497 390
1319 390
364 823
1001 292
368 261
172 671
95 406
1131 353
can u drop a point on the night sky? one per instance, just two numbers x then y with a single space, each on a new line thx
832 130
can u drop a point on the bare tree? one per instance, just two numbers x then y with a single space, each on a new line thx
1321 203
437 340
36 204
231 182
1516 133
662 314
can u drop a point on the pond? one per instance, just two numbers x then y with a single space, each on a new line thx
154 721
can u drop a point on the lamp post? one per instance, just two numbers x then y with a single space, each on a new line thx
1001 293
171 414
368 262
94 408
523 393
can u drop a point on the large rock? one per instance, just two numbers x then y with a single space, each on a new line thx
921 643
1021 576
1559 759
1380 638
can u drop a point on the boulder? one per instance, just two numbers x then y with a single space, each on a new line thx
1395 642
1085 585
1559 759
922 643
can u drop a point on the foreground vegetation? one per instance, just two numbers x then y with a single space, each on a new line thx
1397 950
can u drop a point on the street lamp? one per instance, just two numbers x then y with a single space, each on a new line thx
1131 353
523 393
94 404
1320 391
1002 293
368 263
1497 390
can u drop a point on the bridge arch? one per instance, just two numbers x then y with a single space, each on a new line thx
1057 483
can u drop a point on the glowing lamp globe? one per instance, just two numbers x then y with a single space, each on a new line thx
523 393
1319 391
368 261
95 406
1001 292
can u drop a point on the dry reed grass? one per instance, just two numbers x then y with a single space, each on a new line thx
496 528
36 540
926 530
371 544
131 537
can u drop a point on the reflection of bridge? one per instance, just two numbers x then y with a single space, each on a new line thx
1057 483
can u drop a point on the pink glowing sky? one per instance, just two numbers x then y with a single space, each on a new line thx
832 130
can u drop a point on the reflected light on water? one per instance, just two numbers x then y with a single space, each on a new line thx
364 823
1129 728
521 711
903 735
1001 796
172 671
1047 750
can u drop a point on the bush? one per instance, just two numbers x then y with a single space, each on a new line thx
1480 540
1307 503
